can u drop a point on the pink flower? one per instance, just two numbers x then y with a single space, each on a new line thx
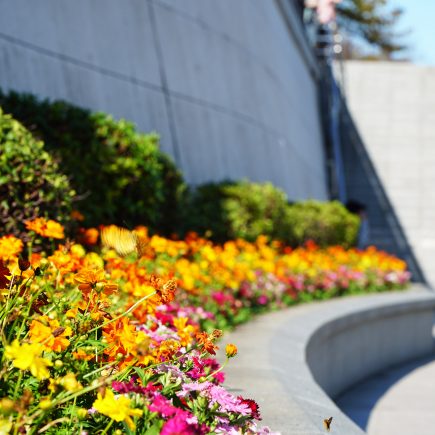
163 406
216 394
253 405
227 402
183 423
262 300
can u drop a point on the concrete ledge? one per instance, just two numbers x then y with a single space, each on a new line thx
293 361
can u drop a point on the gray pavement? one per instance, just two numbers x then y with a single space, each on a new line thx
400 400
280 352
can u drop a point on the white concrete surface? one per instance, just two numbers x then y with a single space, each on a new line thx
399 400
393 105
229 85
408 407
291 362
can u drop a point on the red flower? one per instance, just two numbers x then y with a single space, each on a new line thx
253 405
4 281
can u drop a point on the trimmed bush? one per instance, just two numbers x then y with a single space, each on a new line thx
31 184
120 175
327 223
242 209
246 210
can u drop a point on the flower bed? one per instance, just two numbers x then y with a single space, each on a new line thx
94 341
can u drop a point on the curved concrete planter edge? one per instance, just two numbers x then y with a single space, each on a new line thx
293 361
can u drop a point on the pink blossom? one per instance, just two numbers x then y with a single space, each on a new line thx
182 423
163 406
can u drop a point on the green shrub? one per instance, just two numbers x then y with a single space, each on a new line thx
327 223
229 210
31 184
120 175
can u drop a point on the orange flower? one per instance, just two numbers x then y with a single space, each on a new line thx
88 236
205 341
82 355
77 216
124 339
46 228
167 291
167 349
184 331
10 247
49 334
89 277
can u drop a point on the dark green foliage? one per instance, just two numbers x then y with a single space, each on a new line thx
120 175
31 184
327 223
229 210
242 209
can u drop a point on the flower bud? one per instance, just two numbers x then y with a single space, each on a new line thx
23 264
231 350
82 413
6 405
45 404
58 364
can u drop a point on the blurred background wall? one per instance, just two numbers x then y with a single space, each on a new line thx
231 86
393 106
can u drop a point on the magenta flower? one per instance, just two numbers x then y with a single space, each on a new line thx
163 406
262 300
183 423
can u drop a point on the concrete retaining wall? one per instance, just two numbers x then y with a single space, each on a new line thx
295 360
353 347
393 106
230 85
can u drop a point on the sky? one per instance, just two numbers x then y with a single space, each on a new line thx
419 19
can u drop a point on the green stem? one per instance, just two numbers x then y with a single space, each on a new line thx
17 386
107 427
217 371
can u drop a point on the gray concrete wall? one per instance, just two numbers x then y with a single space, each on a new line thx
393 105
229 85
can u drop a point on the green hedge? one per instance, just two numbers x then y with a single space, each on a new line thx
327 223
31 184
120 175
229 210
246 210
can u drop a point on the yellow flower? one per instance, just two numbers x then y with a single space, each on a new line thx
70 383
117 409
28 357
184 330
5 426
10 247
49 333
231 350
